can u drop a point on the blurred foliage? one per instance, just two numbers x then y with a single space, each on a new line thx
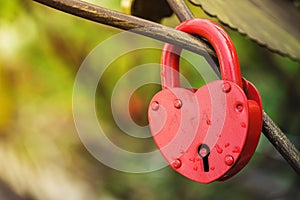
41 155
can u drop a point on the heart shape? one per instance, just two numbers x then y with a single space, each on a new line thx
200 134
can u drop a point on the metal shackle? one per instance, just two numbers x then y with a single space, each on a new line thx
217 37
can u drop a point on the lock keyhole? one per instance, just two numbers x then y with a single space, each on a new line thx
203 152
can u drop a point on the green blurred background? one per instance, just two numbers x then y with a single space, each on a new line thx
41 155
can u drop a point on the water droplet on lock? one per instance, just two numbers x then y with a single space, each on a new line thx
227 145
219 149
236 150
212 168
208 122
243 124
195 168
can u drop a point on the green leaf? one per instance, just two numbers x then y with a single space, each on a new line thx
272 23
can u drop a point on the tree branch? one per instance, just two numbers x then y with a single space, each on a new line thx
131 23
166 34
181 10
281 143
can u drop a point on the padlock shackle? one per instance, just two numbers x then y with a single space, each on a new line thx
217 37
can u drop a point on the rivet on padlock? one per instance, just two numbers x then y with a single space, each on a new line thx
209 134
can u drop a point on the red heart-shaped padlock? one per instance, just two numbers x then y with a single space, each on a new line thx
212 133
179 117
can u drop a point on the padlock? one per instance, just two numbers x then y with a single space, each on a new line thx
210 133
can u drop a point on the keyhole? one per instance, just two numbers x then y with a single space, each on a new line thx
204 151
